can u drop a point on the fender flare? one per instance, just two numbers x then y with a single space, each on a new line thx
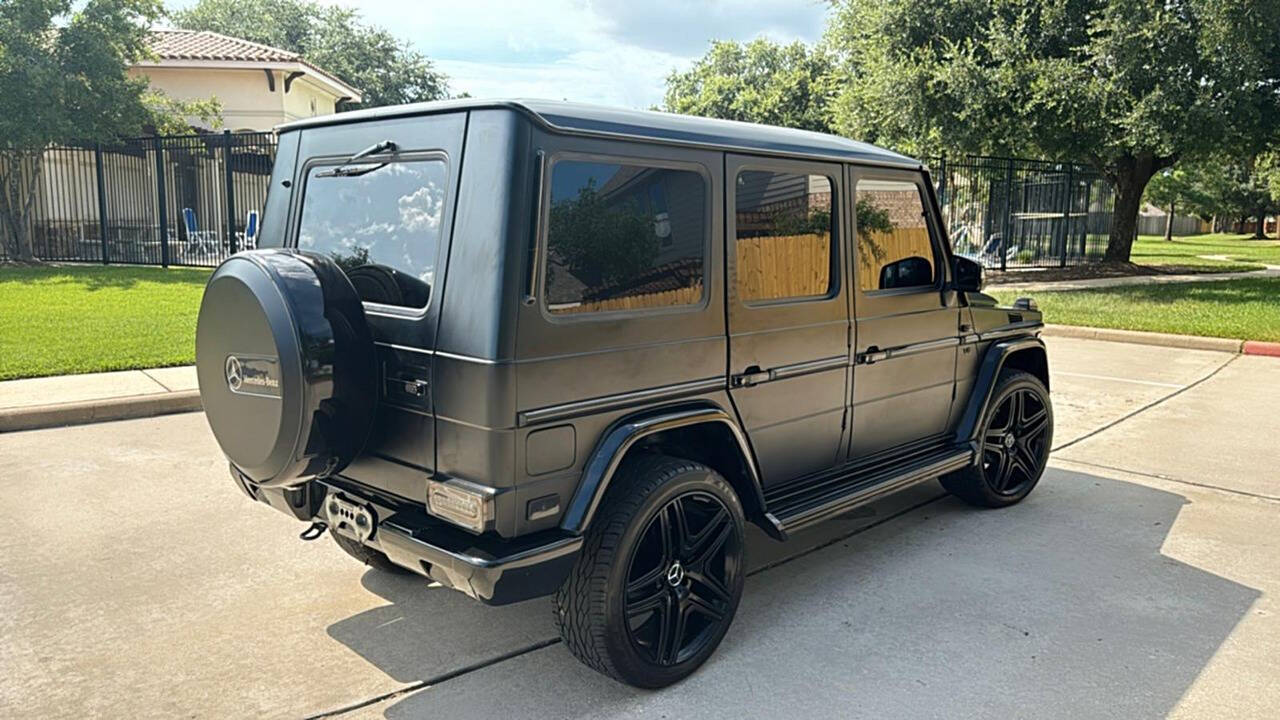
625 433
993 361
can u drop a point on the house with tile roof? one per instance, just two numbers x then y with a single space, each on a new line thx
258 86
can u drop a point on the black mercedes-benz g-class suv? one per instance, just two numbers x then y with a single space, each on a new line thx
537 348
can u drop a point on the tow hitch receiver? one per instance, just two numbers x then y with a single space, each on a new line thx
351 519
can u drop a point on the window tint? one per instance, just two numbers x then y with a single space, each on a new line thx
381 223
624 237
894 250
783 246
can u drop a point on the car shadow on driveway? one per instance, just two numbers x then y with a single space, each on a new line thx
1063 606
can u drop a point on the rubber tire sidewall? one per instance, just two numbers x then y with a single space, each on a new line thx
970 484
617 529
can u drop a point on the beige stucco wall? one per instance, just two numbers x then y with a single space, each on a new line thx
247 102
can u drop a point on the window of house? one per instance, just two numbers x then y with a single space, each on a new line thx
784 224
894 248
381 222
624 237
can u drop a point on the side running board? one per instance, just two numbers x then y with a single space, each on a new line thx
798 506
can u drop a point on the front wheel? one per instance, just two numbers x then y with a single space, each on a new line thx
660 575
1014 449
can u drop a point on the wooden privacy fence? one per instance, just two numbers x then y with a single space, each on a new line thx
783 266
879 248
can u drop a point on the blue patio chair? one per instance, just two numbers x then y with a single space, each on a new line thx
197 241
250 231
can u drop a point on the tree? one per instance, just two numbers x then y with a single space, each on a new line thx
63 80
1169 189
1131 86
601 243
387 71
759 81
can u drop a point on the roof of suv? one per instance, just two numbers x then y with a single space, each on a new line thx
646 125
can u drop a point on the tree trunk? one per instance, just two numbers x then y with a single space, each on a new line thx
1168 223
18 186
1259 229
1131 176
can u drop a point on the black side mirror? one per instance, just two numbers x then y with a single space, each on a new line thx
966 275
911 271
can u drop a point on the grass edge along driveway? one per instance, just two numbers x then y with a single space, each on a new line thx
63 319
1242 309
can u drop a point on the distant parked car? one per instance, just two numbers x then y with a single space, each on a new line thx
538 348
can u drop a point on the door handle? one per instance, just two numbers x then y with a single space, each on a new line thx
753 375
872 355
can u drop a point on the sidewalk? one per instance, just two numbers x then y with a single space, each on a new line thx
96 397
1268 271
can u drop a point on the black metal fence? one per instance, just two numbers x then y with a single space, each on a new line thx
194 200
174 200
1013 213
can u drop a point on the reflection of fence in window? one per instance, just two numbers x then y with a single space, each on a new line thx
891 227
783 266
783 225
663 298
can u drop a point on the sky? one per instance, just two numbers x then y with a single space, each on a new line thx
612 52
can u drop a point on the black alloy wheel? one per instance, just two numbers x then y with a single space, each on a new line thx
662 569
678 579
1014 442
1016 437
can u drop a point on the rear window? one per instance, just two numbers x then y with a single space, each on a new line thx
624 237
381 222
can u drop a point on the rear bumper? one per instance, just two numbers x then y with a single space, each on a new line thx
493 570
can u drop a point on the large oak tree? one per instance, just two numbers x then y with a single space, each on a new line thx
63 80
1131 86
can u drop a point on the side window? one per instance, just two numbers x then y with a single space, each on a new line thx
784 226
624 237
381 223
894 249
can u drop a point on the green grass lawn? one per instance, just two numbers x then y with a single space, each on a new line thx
76 319
1244 251
1246 309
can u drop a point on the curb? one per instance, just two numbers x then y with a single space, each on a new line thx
94 411
1257 347
1187 342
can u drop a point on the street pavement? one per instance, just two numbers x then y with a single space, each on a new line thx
1139 580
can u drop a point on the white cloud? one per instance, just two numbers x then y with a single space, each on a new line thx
614 52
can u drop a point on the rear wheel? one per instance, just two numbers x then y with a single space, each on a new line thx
660 575
1015 441
367 555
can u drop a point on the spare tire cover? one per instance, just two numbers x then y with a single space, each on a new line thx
286 367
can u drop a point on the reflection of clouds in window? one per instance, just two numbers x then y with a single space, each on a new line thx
420 210
390 217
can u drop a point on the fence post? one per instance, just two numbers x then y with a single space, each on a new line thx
230 190
942 180
1008 215
1066 212
102 200
161 203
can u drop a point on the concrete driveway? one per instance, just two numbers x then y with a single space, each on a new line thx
1139 580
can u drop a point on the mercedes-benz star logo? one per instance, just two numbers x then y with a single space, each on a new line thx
675 575
235 374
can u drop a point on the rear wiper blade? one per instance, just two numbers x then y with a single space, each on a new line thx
344 170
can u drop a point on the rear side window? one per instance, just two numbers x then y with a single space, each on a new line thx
624 237
381 222
783 246
894 249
